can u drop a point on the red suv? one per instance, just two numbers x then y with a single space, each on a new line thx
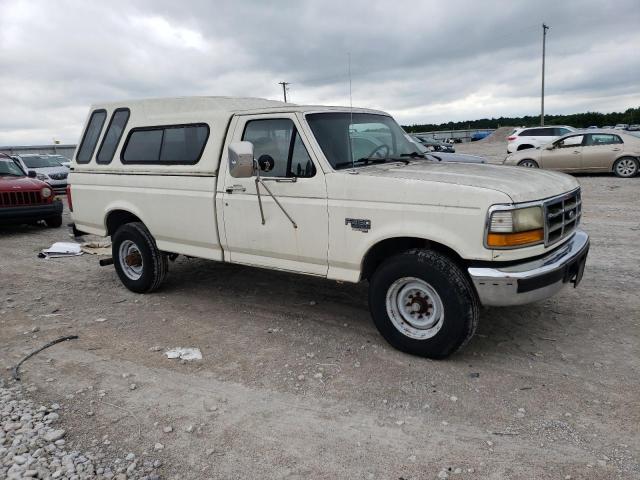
24 199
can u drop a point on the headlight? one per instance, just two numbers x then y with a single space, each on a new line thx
42 176
517 227
45 192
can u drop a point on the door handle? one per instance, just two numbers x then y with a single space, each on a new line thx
576 151
616 149
236 188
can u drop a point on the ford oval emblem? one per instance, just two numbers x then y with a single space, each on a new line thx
571 214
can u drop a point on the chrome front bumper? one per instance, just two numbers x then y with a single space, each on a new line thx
533 280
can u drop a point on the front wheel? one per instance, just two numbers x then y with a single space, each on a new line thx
626 167
139 263
422 303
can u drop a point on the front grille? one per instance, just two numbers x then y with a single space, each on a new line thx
58 176
562 216
21 198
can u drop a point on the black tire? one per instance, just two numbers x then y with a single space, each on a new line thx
626 167
54 222
460 312
154 263
528 163
524 147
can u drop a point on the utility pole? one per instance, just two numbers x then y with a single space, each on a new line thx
544 42
284 89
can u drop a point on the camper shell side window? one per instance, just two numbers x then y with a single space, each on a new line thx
165 145
91 136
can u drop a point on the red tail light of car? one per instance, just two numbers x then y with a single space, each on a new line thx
512 138
69 198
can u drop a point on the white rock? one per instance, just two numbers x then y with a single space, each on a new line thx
158 446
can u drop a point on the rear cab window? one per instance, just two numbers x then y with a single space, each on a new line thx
91 136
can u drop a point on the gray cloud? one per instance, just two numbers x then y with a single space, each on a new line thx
421 61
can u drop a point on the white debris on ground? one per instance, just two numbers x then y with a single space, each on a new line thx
32 447
184 353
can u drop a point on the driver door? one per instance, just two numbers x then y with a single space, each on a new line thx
566 154
290 171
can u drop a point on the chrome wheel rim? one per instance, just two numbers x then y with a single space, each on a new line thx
415 308
528 164
626 167
130 259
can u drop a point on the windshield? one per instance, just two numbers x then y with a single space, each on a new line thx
40 162
8 167
351 139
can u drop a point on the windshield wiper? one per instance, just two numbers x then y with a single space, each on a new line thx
367 160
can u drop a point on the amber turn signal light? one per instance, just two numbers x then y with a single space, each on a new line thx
515 239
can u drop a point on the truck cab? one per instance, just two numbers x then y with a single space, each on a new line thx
335 192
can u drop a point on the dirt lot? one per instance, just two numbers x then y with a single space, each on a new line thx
297 383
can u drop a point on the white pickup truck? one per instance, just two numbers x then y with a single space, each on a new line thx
328 191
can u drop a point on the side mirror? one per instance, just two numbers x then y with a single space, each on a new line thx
32 174
241 159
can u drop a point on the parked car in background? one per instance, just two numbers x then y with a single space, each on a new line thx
64 161
592 127
607 127
479 136
595 151
434 145
633 128
621 126
24 199
523 138
47 169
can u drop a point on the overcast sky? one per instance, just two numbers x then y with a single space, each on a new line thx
423 61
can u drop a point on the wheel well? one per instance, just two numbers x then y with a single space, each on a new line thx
524 147
529 159
117 218
392 246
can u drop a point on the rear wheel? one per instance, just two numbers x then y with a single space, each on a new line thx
422 303
54 222
528 163
626 167
139 263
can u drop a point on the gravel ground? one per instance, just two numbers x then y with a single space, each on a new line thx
32 447
295 382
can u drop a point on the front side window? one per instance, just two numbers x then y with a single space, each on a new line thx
171 145
596 139
90 137
358 139
559 131
278 148
112 136
568 142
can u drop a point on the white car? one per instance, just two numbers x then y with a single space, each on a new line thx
47 168
523 138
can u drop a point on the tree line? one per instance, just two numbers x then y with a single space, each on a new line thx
578 120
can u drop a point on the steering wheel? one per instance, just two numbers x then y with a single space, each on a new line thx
378 149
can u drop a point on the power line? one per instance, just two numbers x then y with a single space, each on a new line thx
284 89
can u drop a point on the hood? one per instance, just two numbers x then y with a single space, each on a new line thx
12 184
48 170
520 184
